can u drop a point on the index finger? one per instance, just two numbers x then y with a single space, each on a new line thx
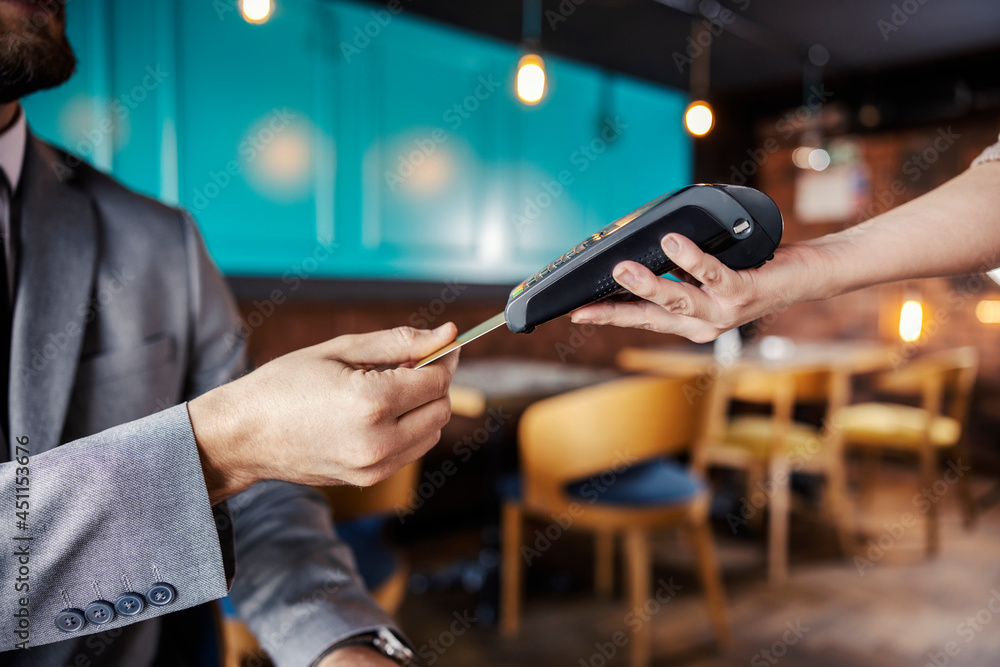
700 265
392 347
406 389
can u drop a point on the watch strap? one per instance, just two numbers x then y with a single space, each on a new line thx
385 642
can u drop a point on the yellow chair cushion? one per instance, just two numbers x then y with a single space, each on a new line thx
890 425
759 435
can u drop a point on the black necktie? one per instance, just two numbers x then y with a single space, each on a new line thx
5 309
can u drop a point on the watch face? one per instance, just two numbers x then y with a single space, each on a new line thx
390 646
385 642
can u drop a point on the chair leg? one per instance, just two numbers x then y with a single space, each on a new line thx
840 505
711 580
239 645
390 594
637 559
510 589
965 486
777 539
869 477
604 563
928 475
756 473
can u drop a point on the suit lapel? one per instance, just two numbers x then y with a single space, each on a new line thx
56 264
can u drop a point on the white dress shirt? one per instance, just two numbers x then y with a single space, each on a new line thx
13 142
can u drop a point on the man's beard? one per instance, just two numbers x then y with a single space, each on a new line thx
34 53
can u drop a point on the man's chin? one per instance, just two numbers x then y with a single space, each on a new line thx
34 52
19 79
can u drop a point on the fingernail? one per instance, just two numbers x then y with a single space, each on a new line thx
625 275
580 319
670 245
442 328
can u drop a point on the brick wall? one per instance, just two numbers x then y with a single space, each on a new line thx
873 313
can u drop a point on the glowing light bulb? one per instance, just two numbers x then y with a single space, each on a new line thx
699 118
256 11
531 79
988 311
819 159
800 157
911 320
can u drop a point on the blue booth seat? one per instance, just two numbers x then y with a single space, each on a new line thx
658 481
376 559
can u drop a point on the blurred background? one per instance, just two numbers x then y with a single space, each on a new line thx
362 165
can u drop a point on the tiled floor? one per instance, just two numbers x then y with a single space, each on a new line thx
902 609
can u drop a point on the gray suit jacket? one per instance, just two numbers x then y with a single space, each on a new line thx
119 315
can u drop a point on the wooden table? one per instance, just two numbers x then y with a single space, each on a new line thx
514 384
691 360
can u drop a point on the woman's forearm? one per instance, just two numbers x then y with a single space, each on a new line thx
952 230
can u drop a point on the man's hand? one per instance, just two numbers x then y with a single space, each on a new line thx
357 656
712 299
326 415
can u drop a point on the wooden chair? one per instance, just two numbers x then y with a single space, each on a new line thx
567 439
770 448
360 515
944 382
239 646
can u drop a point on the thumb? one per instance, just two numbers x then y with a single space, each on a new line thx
391 347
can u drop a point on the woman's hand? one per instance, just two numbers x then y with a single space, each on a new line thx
711 298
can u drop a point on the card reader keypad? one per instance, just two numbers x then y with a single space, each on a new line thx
565 257
579 248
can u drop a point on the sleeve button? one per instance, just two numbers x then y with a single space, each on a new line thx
161 594
70 620
130 604
99 612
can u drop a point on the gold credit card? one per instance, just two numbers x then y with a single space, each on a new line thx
472 334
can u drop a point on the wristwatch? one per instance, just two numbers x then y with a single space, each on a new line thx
991 154
385 642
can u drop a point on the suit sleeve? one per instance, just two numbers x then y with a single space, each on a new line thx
112 514
296 582
116 527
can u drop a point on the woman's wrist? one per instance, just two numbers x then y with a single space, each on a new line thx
826 269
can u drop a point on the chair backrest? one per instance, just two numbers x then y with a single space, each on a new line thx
766 385
781 388
603 427
944 379
386 497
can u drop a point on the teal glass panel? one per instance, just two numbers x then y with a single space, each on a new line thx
344 140
254 134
